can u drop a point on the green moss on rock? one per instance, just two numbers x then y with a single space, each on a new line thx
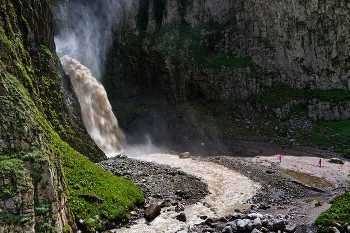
95 195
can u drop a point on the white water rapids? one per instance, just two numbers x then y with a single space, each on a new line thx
96 110
229 190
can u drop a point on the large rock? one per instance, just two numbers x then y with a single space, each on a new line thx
227 229
334 230
242 224
279 224
290 228
153 210
181 217
233 225
257 223
185 155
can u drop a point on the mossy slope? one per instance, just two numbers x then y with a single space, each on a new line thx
95 196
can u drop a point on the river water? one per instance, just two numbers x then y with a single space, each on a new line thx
229 190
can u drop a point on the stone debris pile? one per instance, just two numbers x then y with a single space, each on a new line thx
240 222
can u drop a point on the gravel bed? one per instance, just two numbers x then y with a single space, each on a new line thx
158 181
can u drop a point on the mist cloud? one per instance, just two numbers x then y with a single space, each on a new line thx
85 30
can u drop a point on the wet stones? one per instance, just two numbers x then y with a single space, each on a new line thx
242 224
153 210
185 155
334 230
290 228
227 229
179 208
257 223
181 217
279 225
249 223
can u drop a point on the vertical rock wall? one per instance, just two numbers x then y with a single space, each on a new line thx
32 106
222 50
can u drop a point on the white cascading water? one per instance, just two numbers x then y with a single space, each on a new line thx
96 110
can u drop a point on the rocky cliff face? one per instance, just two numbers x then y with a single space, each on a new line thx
221 50
33 195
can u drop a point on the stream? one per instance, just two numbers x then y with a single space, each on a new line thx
228 190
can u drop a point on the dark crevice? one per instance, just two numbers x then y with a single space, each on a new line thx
142 15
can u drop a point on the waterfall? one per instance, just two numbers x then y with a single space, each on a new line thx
96 110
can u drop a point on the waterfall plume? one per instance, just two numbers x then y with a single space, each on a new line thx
96 110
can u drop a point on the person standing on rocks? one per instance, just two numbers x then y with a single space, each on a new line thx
280 158
319 162
202 144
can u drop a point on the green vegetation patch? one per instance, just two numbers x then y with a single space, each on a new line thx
332 133
17 176
279 94
339 212
337 161
337 95
94 194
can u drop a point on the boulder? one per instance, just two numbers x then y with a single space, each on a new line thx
257 223
179 208
181 217
235 216
209 221
255 231
134 214
290 228
334 230
227 229
279 224
153 210
264 222
253 216
185 155
233 225
242 224
337 225
250 226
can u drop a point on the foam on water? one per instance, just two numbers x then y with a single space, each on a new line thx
229 190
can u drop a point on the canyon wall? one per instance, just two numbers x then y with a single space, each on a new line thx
221 50
33 108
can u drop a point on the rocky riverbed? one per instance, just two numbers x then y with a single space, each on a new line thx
294 191
168 184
